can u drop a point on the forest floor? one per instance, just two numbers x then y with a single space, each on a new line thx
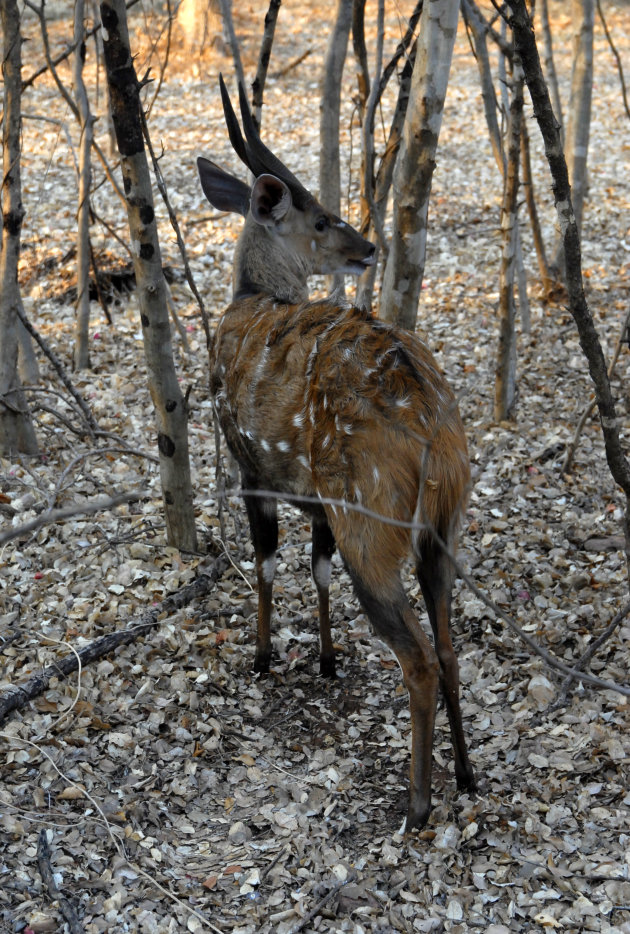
182 792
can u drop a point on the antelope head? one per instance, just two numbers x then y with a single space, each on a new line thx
288 234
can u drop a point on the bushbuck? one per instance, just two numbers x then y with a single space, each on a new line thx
348 417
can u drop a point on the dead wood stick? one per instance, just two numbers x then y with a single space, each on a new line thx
302 923
89 508
48 878
18 695
584 659
293 64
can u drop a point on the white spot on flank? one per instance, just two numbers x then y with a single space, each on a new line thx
265 445
282 446
376 474
268 569
304 462
298 419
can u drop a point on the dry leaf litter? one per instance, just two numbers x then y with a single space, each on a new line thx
181 792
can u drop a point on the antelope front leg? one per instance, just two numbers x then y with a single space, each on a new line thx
263 523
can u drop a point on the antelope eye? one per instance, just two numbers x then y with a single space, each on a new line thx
321 223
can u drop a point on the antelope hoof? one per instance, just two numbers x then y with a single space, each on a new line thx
466 781
417 816
327 667
261 663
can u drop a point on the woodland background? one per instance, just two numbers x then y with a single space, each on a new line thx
177 789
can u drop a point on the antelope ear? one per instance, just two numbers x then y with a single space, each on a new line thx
223 191
270 200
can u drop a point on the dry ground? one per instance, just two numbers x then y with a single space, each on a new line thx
180 791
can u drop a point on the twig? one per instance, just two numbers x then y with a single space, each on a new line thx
588 411
258 85
20 694
77 509
48 878
296 61
91 422
175 225
320 904
587 656
265 872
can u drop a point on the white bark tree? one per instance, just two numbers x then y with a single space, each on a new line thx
416 161
579 113
329 110
170 409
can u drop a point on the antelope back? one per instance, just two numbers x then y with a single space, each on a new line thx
321 400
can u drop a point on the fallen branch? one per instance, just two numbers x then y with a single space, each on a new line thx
306 920
48 878
18 695
584 659
77 509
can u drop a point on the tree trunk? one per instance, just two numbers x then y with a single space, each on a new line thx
414 170
363 90
329 110
383 183
550 68
28 367
16 428
579 121
228 28
169 404
86 122
505 376
258 86
525 44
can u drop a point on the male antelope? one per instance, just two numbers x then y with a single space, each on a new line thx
319 400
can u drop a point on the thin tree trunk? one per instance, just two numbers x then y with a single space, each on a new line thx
170 409
16 428
478 29
550 68
329 111
228 26
547 279
579 122
363 87
505 376
86 122
525 43
258 86
414 169
384 176
28 367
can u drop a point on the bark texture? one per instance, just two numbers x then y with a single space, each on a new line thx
416 161
170 410
16 428
329 110
505 376
86 120
579 120
525 44
258 86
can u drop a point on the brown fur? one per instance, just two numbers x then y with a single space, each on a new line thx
323 400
